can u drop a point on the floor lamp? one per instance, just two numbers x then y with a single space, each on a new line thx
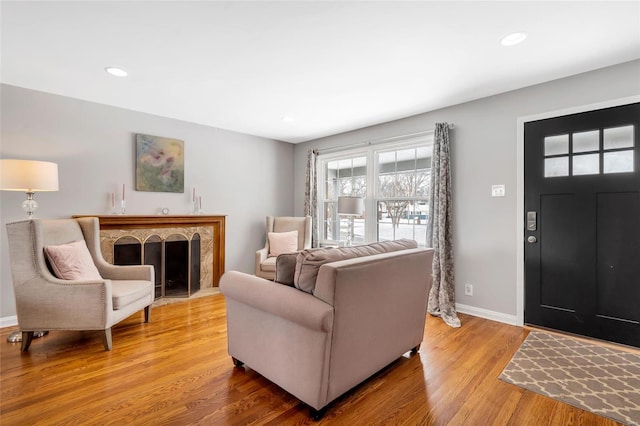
30 177
351 207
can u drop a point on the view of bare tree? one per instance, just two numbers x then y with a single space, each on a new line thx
402 186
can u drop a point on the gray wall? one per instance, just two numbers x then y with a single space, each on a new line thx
242 176
483 149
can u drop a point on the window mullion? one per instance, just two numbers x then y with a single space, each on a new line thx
370 222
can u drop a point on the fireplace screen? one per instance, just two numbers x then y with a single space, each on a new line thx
176 261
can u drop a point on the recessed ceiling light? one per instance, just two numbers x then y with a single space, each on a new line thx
287 119
116 71
513 39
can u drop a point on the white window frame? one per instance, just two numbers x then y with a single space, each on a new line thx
371 152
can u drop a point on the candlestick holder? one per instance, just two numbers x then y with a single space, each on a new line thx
123 207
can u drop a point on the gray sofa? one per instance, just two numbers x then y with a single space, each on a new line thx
317 342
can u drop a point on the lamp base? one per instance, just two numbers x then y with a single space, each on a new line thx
16 336
29 205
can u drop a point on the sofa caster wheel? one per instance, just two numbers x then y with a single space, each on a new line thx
415 350
237 362
316 415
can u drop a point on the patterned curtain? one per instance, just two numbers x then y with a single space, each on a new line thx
311 195
439 231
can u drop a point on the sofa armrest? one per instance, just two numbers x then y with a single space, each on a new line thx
277 299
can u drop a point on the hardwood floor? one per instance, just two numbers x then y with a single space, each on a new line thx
176 371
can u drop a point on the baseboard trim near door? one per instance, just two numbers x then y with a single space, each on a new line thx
486 314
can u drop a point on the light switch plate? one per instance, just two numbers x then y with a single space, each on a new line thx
497 191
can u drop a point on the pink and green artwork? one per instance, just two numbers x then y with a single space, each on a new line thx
159 164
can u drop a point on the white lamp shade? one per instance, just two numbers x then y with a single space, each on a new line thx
28 175
350 206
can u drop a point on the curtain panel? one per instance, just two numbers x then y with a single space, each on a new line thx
440 231
311 194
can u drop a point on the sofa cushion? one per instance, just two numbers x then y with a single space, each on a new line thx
282 242
308 262
286 268
72 261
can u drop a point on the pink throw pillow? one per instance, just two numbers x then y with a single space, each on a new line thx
72 261
282 242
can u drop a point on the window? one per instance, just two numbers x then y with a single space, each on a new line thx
344 176
404 177
394 179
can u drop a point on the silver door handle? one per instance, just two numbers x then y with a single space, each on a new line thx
532 239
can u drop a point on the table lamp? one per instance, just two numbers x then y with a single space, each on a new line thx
30 177
350 206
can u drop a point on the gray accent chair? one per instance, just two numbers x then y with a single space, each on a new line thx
44 302
265 264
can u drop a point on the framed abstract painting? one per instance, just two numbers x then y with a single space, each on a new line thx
159 164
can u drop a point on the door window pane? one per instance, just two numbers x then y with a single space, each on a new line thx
586 141
618 162
618 137
586 164
558 166
556 145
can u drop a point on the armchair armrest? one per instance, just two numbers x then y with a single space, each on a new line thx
261 256
277 299
52 303
128 272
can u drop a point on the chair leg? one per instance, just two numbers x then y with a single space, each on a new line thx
237 362
415 350
147 314
106 339
27 337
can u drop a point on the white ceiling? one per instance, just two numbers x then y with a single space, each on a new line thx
332 66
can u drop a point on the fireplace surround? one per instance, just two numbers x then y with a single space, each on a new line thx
187 252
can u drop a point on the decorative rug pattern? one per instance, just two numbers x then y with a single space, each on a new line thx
598 379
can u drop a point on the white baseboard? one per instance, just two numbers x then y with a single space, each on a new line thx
8 321
465 309
487 314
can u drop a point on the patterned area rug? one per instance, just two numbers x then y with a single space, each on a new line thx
594 378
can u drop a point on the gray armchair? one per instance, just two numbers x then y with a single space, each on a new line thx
266 264
44 302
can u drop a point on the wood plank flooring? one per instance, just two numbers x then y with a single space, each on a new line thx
176 371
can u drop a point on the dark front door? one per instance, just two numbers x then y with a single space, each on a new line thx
582 223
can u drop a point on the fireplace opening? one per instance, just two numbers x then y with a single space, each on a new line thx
176 261
127 251
176 266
